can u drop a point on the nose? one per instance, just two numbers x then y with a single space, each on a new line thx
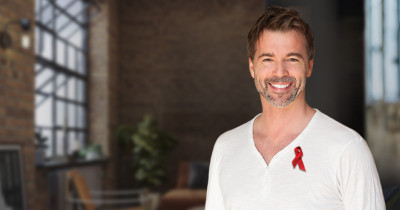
280 70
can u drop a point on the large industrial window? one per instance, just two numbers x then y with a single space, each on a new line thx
61 74
382 51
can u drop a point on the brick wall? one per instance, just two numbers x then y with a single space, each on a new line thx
103 87
185 62
17 95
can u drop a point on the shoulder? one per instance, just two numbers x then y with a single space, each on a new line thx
329 139
334 133
235 138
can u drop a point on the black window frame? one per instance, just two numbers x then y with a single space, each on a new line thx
79 72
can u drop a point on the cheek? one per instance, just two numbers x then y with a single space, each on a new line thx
262 70
297 69
259 81
295 66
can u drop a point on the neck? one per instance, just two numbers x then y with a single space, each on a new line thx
293 118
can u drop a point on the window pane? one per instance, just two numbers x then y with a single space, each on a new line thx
71 115
81 89
73 142
81 117
72 89
374 45
38 67
377 70
76 38
47 51
38 41
68 54
82 138
43 113
68 30
82 15
38 99
391 51
60 114
43 77
61 91
61 49
62 20
48 88
75 8
61 85
60 136
78 141
71 58
37 8
81 63
47 15
63 3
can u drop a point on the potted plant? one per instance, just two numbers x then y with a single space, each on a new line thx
150 147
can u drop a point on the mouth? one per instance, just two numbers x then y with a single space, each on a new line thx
280 87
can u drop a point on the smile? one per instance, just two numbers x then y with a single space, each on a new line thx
280 86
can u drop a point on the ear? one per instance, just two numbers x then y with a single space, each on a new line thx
251 67
310 67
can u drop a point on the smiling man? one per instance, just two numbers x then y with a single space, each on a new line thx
290 156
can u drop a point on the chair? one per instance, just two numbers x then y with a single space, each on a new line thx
392 195
79 196
187 194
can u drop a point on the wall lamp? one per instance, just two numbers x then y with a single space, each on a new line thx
5 37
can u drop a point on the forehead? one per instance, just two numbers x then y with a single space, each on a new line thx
281 42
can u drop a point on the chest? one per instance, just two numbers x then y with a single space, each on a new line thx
246 183
268 148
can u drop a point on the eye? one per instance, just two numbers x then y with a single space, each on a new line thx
293 59
267 60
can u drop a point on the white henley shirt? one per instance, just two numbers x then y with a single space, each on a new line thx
340 171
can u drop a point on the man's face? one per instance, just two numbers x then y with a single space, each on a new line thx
280 67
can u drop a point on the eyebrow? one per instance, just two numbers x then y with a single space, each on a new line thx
289 54
266 54
295 54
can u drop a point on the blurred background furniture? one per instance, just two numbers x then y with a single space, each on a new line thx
80 196
392 195
191 187
12 194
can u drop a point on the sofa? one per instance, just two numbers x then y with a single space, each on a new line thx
190 190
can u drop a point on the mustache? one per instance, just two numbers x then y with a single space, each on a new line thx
280 79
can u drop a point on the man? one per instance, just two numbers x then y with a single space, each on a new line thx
290 156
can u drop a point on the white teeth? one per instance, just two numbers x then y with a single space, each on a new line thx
279 86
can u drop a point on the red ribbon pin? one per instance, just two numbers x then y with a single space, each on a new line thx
297 160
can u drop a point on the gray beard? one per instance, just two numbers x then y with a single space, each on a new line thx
281 102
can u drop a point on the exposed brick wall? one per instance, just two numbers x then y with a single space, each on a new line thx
17 95
103 87
185 62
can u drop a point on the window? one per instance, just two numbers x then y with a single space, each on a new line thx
382 51
61 74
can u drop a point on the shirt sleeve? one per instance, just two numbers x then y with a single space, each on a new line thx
358 178
214 199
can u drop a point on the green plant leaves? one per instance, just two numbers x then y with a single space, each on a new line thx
150 147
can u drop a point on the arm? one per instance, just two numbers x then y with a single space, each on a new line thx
358 178
214 200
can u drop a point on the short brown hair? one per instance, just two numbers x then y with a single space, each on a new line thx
279 19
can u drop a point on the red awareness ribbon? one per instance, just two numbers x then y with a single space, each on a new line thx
297 160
